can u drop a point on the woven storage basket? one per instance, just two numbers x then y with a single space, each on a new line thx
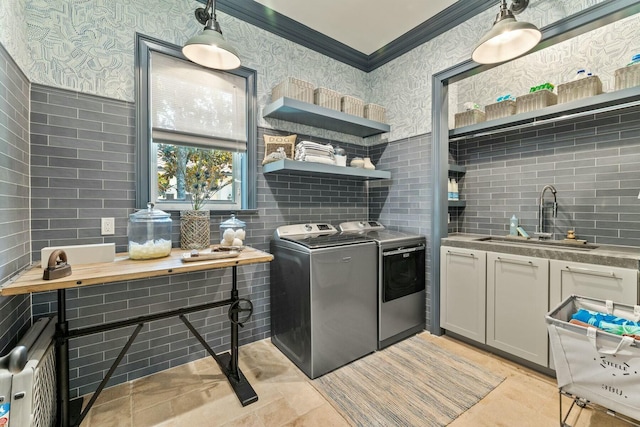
535 101
374 112
293 88
578 89
353 106
468 118
627 77
327 98
195 232
500 109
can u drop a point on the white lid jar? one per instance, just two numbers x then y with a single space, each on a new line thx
149 233
232 232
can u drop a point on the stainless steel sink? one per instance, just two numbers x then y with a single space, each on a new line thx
552 244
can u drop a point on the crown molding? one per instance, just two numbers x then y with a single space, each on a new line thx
261 16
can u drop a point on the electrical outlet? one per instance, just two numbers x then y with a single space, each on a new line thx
107 226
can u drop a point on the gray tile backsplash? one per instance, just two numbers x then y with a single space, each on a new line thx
83 157
15 246
592 162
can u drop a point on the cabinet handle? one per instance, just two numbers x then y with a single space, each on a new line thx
517 261
592 272
461 254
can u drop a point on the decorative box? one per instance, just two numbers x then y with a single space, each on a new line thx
374 112
293 88
578 89
352 105
469 117
535 101
327 98
500 109
628 76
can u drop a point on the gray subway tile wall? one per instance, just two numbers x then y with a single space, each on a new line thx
15 246
85 170
83 156
592 161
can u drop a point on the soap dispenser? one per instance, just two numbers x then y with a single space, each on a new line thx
513 226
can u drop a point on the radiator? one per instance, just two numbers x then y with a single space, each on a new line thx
28 395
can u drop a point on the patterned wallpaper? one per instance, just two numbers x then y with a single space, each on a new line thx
600 51
13 31
88 46
403 85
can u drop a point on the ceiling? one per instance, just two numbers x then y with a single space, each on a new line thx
362 33
365 25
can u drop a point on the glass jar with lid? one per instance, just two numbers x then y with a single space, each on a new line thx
232 232
149 233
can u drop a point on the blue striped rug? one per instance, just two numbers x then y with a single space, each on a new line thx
412 383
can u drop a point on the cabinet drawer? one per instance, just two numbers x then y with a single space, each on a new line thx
595 281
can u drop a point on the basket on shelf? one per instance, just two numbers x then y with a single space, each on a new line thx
627 77
352 105
578 89
500 109
535 101
293 88
374 112
327 98
469 117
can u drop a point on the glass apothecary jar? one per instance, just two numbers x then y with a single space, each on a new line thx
232 232
149 233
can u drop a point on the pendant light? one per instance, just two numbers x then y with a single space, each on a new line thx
508 38
209 48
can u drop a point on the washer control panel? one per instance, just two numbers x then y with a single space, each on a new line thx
309 230
357 226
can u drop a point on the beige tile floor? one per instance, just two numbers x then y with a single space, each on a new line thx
197 394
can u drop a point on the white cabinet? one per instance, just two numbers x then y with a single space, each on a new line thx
501 300
462 292
517 300
595 281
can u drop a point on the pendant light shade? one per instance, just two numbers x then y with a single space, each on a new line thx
209 48
508 38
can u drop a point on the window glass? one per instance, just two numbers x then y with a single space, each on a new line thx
196 128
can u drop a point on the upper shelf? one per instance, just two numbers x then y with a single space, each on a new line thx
296 111
554 112
310 168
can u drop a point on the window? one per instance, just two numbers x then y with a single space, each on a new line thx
196 132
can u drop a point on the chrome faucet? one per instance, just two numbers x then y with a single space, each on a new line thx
541 232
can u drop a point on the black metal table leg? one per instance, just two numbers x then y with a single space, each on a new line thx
67 412
241 386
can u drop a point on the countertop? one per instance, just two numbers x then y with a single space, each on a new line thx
123 268
609 255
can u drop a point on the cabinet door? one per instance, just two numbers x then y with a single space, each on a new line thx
462 292
517 301
595 281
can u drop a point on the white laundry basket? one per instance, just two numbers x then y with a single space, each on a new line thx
597 366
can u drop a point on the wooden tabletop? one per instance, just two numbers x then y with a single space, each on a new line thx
123 269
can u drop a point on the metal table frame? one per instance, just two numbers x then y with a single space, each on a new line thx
69 412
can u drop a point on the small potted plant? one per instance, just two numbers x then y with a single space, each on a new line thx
195 230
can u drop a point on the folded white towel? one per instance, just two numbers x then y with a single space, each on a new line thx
316 159
315 145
